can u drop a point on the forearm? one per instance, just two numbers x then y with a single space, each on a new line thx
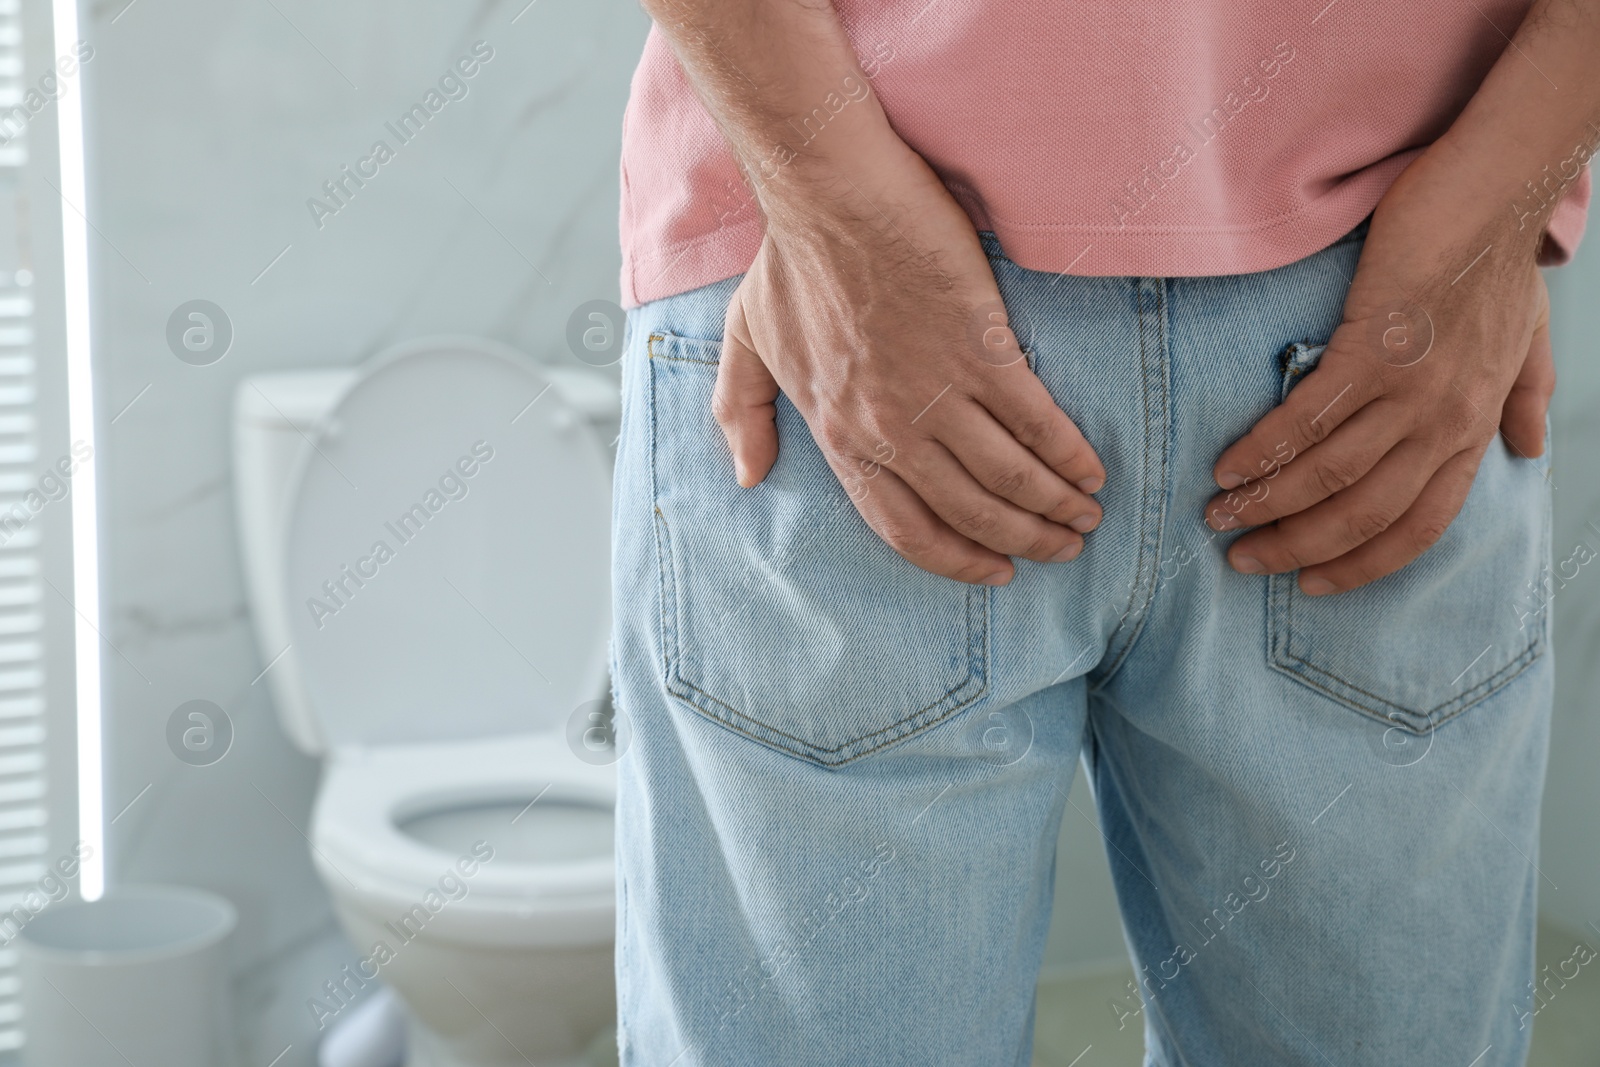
1526 134
782 81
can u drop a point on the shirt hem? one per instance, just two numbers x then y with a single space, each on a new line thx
1103 251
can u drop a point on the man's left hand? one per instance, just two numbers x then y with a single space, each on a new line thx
1445 341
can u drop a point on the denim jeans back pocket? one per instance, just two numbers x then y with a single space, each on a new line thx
784 616
1420 646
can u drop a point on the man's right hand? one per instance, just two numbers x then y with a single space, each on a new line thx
873 308
871 305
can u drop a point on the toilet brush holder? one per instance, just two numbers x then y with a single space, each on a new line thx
138 977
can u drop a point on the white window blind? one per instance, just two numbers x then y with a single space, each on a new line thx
24 799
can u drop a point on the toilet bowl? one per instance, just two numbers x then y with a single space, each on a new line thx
426 542
476 879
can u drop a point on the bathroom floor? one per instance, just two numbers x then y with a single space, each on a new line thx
1077 1027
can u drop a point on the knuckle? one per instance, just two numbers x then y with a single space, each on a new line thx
1459 421
1303 432
870 425
1009 481
1365 525
1332 474
976 523
1036 431
832 435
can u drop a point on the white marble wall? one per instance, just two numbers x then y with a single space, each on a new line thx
209 127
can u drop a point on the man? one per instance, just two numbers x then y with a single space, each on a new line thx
1007 319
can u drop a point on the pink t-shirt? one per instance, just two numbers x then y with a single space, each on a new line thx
1105 137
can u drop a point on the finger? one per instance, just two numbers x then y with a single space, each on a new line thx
934 473
743 403
1522 417
909 526
1413 534
1343 521
1018 400
1008 470
1321 471
1336 389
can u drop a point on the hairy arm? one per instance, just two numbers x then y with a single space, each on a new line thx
1445 338
860 306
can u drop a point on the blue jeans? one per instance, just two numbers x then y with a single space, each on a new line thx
839 805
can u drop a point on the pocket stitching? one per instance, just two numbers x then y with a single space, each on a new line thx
684 344
977 624
692 345
1338 689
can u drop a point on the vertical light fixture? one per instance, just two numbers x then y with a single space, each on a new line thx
80 427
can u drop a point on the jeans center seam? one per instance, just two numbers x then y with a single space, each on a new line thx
1153 358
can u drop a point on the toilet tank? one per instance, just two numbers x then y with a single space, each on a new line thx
276 417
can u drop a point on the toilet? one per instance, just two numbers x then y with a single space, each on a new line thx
426 542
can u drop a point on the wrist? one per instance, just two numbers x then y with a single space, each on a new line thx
803 154
865 173
1505 189
1457 199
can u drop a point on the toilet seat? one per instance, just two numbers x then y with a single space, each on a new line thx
359 846
445 555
